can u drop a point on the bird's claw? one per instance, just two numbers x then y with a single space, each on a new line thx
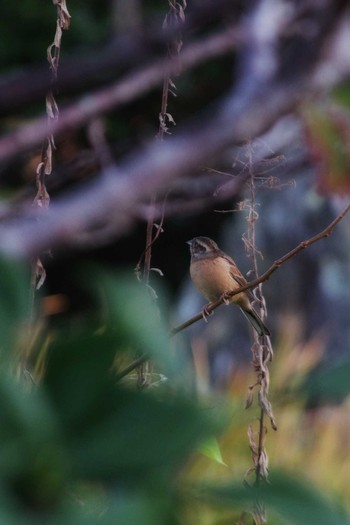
206 312
225 298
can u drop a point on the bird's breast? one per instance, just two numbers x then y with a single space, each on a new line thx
212 278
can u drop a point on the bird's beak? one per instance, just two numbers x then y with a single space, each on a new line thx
189 243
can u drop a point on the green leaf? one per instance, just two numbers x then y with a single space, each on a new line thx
124 509
14 304
211 449
135 317
79 378
114 432
140 439
32 461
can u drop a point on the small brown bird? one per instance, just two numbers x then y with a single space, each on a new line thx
214 273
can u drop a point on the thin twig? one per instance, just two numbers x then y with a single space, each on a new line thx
138 362
305 244
161 215
149 241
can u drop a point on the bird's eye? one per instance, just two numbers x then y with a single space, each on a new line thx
202 248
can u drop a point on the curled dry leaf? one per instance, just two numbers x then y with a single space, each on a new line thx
157 270
40 273
263 464
48 157
51 107
42 198
171 83
170 118
158 227
58 35
63 13
259 514
267 408
251 438
250 397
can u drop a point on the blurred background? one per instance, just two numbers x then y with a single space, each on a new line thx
255 133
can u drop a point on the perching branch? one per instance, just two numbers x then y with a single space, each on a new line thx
266 275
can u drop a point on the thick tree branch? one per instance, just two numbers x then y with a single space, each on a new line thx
116 197
112 201
88 70
121 92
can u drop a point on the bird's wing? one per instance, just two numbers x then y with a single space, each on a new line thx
236 274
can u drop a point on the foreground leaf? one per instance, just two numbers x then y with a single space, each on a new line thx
296 501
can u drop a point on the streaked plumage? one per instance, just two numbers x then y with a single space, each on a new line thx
213 273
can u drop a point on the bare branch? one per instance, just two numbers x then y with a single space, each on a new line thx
262 96
277 264
266 275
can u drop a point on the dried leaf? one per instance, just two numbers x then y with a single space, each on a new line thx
170 118
251 438
64 14
164 128
250 397
51 107
181 13
158 227
157 270
39 168
51 56
259 514
48 159
42 198
40 273
267 408
263 465
58 35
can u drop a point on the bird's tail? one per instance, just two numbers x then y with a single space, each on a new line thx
256 322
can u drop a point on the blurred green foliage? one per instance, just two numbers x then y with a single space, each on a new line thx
79 427
79 447
342 95
295 501
328 137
